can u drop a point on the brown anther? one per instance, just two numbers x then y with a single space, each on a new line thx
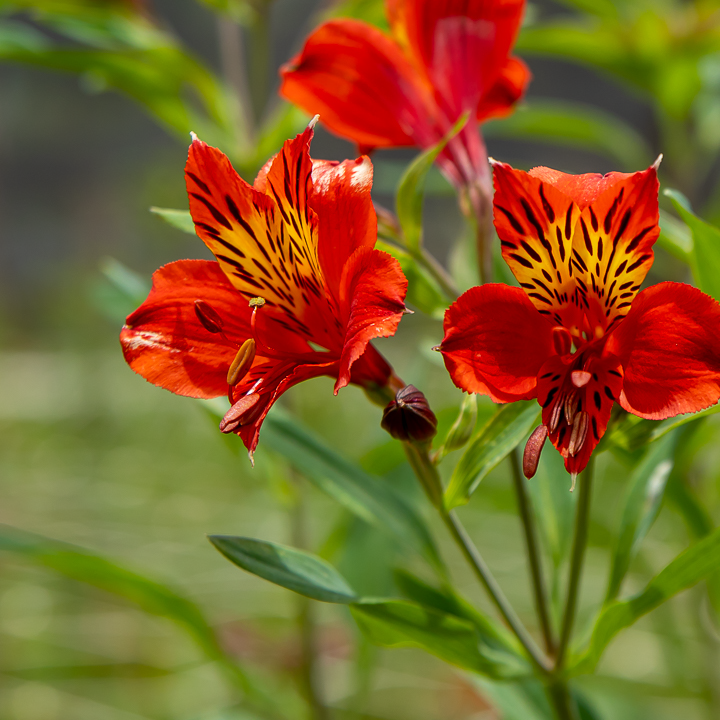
234 416
533 448
555 416
409 417
571 406
256 302
562 340
579 433
242 363
580 378
208 317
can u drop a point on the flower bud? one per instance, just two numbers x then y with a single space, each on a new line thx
409 417
208 316
464 424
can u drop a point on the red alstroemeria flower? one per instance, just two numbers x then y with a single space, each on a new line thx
577 335
442 59
297 290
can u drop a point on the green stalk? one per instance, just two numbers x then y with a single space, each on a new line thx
430 480
533 551
582 518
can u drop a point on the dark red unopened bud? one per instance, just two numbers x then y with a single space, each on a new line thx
533 448
409 417
208 316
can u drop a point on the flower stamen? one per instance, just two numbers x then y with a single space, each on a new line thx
242 363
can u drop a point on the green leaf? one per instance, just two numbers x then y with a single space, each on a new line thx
510 424
293 569
645 494
462 429
400 623
410 192
578 126
687 569
79 564
366 496
705 255
675 237
180 219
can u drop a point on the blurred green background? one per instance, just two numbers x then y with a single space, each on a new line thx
92 455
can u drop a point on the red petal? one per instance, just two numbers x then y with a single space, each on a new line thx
500 99
669 345
360 83
346 216
166 343
535 223
372 298
582 189
496 342
463 44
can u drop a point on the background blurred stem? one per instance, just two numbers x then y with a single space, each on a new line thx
234 70
309 670
582 518
533 551
438 272
259 52
562 701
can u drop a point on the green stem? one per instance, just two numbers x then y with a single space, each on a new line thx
430 480
582 517
438 272
533 551
259 47
561 700
309 666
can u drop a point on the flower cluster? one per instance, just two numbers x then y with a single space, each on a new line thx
298 290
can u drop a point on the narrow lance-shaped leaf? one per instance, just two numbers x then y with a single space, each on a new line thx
687 569
179 219
644 497
705 254
296 570
410 192
400 623
508 427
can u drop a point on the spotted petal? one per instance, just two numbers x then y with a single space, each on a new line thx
535 223
612 247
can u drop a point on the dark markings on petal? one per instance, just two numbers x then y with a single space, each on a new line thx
562 433
230 261
250 281
595 377
298 168
579 261
262 268
199 183
624 305
611 212
632 245
595 429
547 275
620 268
626 285
599 248
219 217
593 221
638 262
597 270
523 261
532 219
547 207
546 375
556 378
511 245
208 228
586 235
551 394
561 243
530 251
230 247
597 399
541 284
608 392
528 286
516 226
568 223
544 312
623 225
540 297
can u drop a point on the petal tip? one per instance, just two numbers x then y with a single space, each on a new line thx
657 162
313 122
